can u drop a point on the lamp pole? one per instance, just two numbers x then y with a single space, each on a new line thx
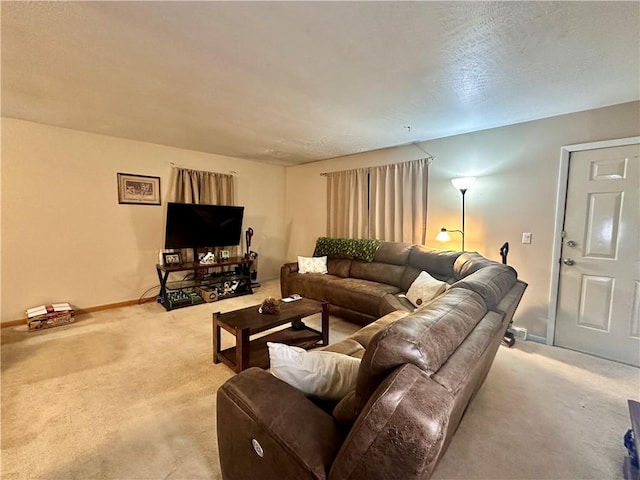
463 191
463 185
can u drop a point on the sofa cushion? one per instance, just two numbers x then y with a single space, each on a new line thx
312 285
470 262
424 289
345 411
378 272
351 315
348 346
339 267
355 344
394 253
392 302
425 338
439 263
320 374
492 283
365 334
361 295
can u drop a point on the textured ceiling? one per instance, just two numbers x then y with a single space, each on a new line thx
294 82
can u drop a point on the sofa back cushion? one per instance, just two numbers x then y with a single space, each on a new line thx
491 282
470 262
438 263
340 267
395 253
388 265
365 334
377 272
425 338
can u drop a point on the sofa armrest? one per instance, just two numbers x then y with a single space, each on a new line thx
290 267
297 439
285 271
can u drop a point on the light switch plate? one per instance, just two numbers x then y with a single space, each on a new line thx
526 237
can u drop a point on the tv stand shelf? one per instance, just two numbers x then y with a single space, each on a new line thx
217 281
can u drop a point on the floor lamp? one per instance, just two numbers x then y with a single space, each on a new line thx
462 184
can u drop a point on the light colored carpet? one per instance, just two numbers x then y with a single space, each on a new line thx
129 393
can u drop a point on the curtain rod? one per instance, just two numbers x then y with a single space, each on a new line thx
429 160
231 172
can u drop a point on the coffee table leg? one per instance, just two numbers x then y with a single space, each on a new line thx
325 323
242 350
216 338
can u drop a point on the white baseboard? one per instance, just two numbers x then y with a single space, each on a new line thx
537 338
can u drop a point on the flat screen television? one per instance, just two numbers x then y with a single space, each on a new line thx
192 225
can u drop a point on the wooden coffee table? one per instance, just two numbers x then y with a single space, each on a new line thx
248 321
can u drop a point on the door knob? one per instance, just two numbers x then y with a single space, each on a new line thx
571 243
568 261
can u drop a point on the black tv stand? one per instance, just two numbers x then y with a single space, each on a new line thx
225 279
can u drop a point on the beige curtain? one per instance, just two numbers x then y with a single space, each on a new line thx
347 195
195 186
398 202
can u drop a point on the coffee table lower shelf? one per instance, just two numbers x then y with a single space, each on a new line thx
259 353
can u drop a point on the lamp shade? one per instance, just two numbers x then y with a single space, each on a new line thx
443 236
463 183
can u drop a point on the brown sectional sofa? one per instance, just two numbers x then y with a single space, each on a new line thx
362 292
418 373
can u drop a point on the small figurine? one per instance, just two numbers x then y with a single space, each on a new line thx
270 306
208 259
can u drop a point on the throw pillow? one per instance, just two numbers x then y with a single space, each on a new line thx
320 374
424 289
312 264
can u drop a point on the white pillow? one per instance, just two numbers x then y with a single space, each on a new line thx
424 289
324 375
312 265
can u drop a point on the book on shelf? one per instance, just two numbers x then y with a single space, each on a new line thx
61 307
46 309
35 311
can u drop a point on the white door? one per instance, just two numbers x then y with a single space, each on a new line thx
599 287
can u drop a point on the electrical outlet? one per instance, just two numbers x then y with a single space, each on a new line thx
526 237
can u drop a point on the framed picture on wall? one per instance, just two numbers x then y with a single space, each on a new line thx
138 189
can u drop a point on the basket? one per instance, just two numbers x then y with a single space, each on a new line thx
208 294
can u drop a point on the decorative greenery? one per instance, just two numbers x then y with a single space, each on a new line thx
360 248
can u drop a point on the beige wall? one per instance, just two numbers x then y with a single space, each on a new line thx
517 168
66 238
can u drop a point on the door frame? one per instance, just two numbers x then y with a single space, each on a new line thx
561 204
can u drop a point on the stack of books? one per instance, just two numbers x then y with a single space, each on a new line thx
47 316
